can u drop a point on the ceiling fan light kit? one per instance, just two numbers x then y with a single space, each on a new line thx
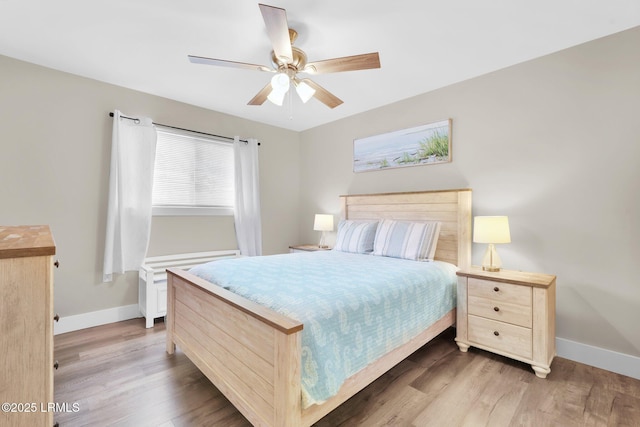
288 61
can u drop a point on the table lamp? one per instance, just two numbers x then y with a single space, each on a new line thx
323 222
491 230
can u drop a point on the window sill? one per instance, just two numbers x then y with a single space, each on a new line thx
191 211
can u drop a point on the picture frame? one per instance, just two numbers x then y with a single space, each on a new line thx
428 144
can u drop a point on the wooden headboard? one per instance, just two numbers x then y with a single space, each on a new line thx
451 207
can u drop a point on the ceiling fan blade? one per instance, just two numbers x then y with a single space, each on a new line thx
275 19
323 95
261 96
230 64
365 61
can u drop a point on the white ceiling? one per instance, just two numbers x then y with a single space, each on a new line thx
423 44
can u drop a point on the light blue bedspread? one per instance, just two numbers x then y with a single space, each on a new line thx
355 308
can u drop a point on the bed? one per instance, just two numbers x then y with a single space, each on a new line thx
267 345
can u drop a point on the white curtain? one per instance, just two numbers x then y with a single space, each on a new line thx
133 151
247 203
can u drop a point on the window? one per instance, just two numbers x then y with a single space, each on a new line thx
193 175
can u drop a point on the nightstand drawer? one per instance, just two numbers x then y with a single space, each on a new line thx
500 310
499 291
510 339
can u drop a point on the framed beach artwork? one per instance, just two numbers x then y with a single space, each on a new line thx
421 145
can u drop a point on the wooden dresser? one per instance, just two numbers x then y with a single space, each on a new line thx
26 325
511 313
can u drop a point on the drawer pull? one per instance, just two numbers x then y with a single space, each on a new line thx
57 264
496 308
55 365
496 289
56 318
496 333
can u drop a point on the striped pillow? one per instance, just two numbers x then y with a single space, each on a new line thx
356 236
409 240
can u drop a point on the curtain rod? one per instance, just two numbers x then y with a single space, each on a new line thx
188 130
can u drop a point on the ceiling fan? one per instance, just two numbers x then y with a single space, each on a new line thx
288 61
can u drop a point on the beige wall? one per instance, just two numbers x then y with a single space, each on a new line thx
553 143
55 135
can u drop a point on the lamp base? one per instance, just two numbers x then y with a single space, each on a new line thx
491 261
321 244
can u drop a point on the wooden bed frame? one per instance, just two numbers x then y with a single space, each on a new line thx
253 354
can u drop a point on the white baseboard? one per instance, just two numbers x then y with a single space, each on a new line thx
95 318
619 363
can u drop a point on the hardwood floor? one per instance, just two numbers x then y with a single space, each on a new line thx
119 374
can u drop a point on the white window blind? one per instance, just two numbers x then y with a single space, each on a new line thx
193 175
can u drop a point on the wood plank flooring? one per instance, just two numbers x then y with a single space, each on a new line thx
120 374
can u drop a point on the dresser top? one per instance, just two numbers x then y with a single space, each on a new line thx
510 276
25 241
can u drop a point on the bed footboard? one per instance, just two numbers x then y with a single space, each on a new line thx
250 353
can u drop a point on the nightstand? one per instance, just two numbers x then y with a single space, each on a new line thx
306 248
511 313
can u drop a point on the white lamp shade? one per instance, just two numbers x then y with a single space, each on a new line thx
491 229
280 82
323 222
276 97
279 88
305 92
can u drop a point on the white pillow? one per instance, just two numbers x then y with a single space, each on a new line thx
356 236
409 240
